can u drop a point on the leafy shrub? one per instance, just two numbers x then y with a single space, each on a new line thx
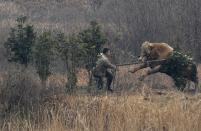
70 50
42 55
19 43
92 41
175 66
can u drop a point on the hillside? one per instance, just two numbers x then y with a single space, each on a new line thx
126 23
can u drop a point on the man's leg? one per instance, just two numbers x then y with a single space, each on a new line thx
109 77
99 82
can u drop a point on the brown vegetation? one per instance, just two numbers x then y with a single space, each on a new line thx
151 105
139 106
169 112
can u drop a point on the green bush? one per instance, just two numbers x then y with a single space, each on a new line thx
42 55
175 66
20 41
92 41
70 51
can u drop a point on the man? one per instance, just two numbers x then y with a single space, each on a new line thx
102 69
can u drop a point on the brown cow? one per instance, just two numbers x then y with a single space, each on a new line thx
162 51
153 51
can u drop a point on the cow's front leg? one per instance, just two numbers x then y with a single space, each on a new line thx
151 71
197 89
141 66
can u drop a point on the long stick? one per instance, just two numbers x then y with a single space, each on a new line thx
128 64
148 62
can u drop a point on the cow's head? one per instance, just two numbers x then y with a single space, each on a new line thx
145 51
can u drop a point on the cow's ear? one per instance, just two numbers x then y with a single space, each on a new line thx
151 46
146 42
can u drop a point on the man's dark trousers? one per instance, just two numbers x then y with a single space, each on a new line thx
109 77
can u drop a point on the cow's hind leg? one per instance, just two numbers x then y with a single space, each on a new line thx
191 86
196 86
194 76
188 86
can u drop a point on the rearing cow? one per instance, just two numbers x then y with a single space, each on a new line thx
160 51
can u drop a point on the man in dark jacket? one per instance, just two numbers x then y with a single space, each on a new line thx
102 69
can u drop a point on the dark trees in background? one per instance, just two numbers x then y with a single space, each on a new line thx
127 23
80 50
130 22
20 41
43 52
76 50
92 41
70 51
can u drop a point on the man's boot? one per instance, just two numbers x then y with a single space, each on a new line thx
109 81
109 89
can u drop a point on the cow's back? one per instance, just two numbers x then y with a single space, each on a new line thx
161 50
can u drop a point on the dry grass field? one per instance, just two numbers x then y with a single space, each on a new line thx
168 112
144 109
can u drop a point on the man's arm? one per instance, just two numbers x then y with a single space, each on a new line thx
108 64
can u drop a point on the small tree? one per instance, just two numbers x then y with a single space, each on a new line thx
70 50
176 65
20 41
92 40
42 55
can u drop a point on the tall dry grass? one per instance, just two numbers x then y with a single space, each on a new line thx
170 112
26 106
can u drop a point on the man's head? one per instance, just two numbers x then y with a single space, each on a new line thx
106 51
